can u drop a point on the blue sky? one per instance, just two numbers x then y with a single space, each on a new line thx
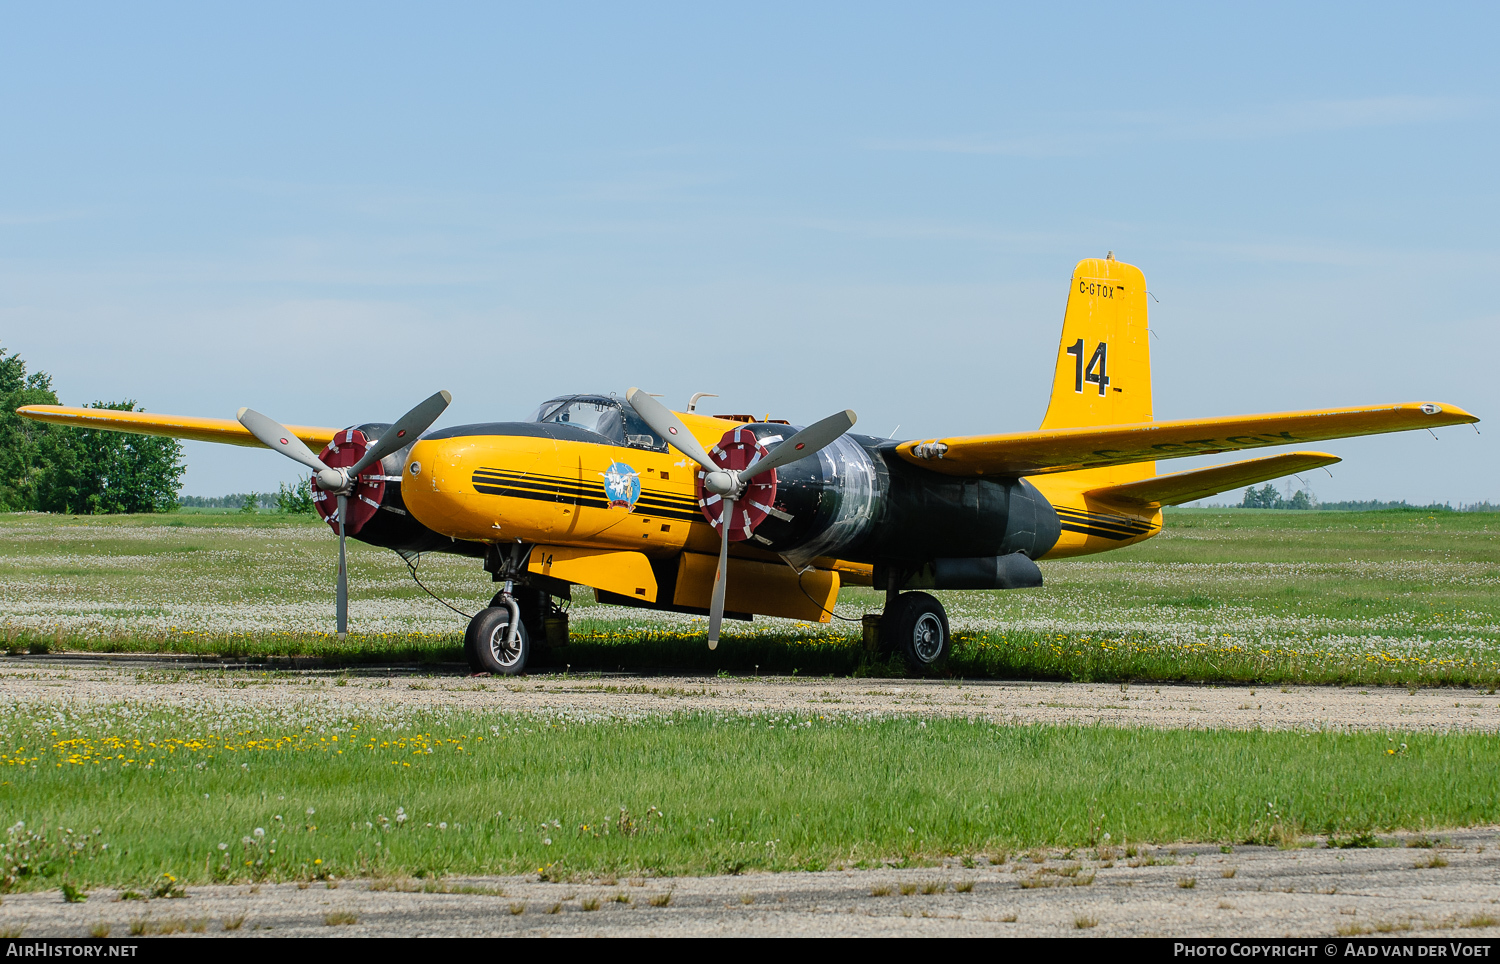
327 213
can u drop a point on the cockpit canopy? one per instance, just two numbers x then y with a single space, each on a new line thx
603 415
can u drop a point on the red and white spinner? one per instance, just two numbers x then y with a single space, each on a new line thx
735 451
347 448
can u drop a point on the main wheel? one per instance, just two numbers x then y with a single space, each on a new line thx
917 627
486 647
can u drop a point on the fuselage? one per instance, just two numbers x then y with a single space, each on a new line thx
853 507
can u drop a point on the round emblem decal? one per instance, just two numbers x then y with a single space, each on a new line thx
622 486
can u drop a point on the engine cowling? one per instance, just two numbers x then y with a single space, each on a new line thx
387 523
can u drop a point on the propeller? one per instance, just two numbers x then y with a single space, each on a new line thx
341 482
405 431
729 485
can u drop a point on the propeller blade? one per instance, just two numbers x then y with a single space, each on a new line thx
341 592
408 429
669 427
806 442
274 435
721 578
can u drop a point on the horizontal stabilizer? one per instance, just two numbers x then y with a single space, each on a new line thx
1069 449
1202 483
225 430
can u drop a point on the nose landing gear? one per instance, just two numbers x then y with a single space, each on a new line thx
497 640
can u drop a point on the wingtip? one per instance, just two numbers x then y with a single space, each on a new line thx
1443 408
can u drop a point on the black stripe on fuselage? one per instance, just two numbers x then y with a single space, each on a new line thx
1118 528
521 485
576 488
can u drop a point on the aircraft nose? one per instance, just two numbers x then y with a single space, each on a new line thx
431 485
461 485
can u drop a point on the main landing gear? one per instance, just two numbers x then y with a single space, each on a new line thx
915 626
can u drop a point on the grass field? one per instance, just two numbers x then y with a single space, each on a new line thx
120 795
1222 595
212 789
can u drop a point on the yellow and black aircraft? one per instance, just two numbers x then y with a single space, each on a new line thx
732 516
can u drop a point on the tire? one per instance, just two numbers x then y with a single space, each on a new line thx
916 627
484 643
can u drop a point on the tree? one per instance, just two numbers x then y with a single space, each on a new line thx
296 499
1262 498
21 438
1266 497
90 471
61 469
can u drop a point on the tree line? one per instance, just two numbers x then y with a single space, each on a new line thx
290 498
234 500
1266 497
56 468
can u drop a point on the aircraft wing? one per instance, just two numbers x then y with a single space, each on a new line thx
1201 483
225 430
1067 449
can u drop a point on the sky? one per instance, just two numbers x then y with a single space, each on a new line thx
327 212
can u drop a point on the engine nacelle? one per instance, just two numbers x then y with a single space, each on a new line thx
858 500
392 526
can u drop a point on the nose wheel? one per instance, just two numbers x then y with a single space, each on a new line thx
497 641
916 627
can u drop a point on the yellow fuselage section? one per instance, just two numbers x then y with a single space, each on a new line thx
1091 525
535 489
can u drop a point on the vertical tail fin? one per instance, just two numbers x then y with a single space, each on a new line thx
1103 361
1103 372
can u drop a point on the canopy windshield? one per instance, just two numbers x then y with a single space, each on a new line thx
603 415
